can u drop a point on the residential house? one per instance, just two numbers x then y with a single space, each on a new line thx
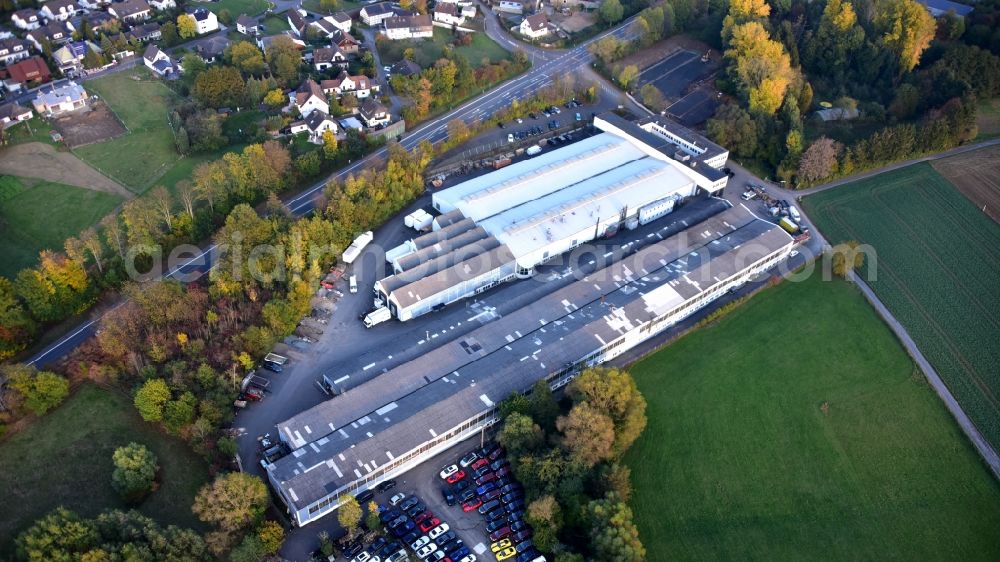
131 11
297 20
264 42
328 57
27 18
146 32
160 62
13 50
361 86
340 19
205 21
345 42
59 10
408 27
347 123
212 49
318 123
468 12
448 14
92 4
56 100
375 14
13 113
247 25
29 72
69 57
535 26
55 33
310 97
374 114
162 5
939 8
838 113
99 21
404 67
510 7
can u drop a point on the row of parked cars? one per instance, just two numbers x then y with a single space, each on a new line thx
413 526
482 481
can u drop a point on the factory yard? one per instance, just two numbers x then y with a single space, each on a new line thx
682 70
938 259
798 428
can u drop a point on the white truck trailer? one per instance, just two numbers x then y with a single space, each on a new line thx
354 250
377 316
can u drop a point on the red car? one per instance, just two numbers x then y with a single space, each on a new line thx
420 518
471 505
488 477
456 477
503 471
429 523
500 533
479 464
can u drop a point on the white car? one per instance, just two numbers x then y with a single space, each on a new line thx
468 459
426 550
385 68
469 558
363 556
793 253
394 500
438 531
420 543
448 471
510 137
519 120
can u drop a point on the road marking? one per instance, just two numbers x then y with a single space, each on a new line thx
342 379
368 366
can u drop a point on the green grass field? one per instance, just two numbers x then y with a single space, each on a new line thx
35 215
32 130
426 53
275 24
797 428
988 119
938 268
316 6
64 458
138 158
237 7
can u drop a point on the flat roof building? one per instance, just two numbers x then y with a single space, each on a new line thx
399 418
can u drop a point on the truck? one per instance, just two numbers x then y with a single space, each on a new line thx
794 213
377 316
276 359
533 150
354 250
354 283
788 225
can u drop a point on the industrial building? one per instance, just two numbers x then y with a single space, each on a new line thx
396 419
500 226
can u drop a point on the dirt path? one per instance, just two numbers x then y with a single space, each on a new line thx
37 160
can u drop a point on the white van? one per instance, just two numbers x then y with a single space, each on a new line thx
354 284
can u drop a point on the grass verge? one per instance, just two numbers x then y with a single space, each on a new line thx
797 428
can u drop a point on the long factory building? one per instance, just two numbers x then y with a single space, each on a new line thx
408 414
499 226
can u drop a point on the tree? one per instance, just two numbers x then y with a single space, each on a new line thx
652 98
179 413
186 26
163 202
232 501
907 29
186 193
246 57
545 517
607 49
271 536
520 434
16 326
588 434
56 536
458 131
168 33
743 11
819 161
219 86
372 521
55 289
613 393
150 399
41 390
329 144
329 6
349 513
628 75
135 470
760 66
211 182
846 257
249 550
542 405
275 98
613 535
611 11
284 59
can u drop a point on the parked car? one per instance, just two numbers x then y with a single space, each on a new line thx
438 531
495 525
385 486
489 506
508 498
461 485
505 554
467 494
428 524
500 545
480 471
365 496
394 500
468 459
454 547
272 366
448 495
416 510
460 554
500 533
496 515
408 503
420 517
448 471
485 488
426 550
515 505
503 471
455 477
495 465
522 536
468 558
496 453
518 525
491 495
510 137
488 477
445 538
401 530
511 488
398 521
472 504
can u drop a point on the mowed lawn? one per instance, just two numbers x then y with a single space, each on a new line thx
237 7
426 53
138 158
938 270
797 428
64 459
37 215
